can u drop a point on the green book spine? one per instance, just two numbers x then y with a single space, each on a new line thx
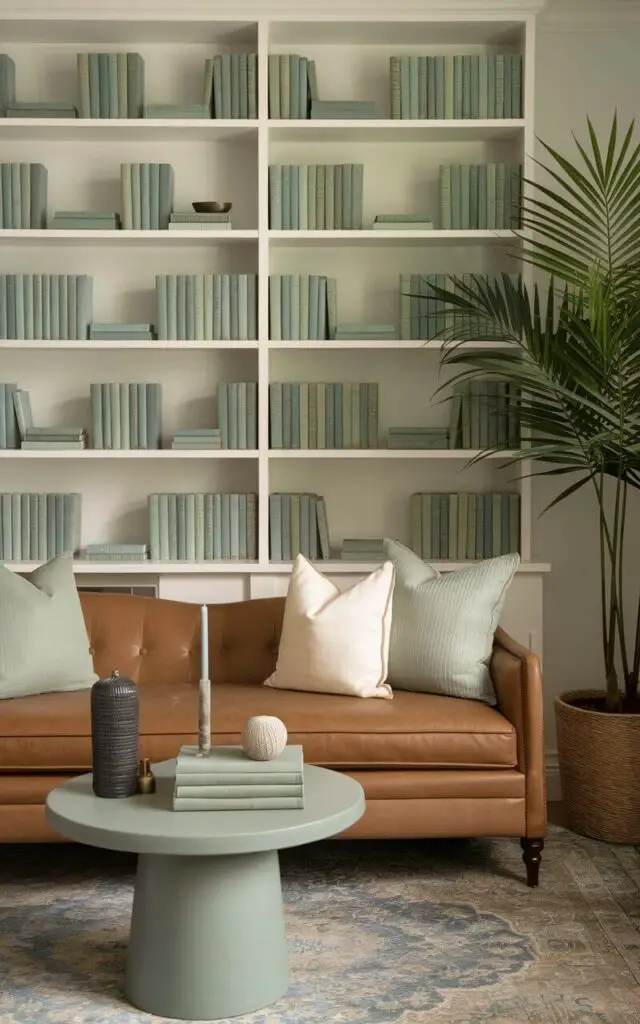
103 78
422 87
154 527
226 85
93 61
338 426
415 523
482 196
435 504
252 415
106 415
456 197
305 525
458 89
414 87
145 196
34 526
303 415
136 196
516 86
405 88
112 78
426 549
165 193
496 525
515 196
126 180
332 306
181 525
501 170
439 86
225 504
243 306
172 500
181 307
223 414
287 431
83 84
285 94
347 422
135 85
242 526
444 526
242 415
72 306
63 283
274 85
217 87
294 307
395 89
162 551
329 197
363 427
322 416
25 196
474 220
275 197
154 196
448 87
275 307
294 86
217 526
372 416
487 544
357 187
475 86
217 307
465 197
491 197
312 181
25 526
233 306
27 282
330 420
507 85
145 439
320 183
445 198
252 307
314 308
125 413
499 63
275 527
114 410
286 307
347 196
204 512
491 86
483 85
172 309
235 85
233 415
322 308
323 529
190 527
121 78
16 196
313 527
295 525
190 306
134 419
338 217
313 416
7 200
286 197
452 527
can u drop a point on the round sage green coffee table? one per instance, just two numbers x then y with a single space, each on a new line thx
207 928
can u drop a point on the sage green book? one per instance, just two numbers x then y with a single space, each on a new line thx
143 416
465 197
338 217
190 527
347 196
456 197
275 528
242 526
405 88
395 88
322 416
112 87
16 196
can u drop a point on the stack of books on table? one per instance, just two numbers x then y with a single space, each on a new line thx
461 526
192 437
207 307
462 86
342 110
23 195
200 222
298 526
45 438
85 220
365 332
302 307
185 111
203 527
418 437
480 196
315 197
7 83
402 222
319 416
111 84
48 108
147 196
136 552
35 527
111 331
238 414
230 88
362 549
46 307
292 85
9 422
228 780
125 416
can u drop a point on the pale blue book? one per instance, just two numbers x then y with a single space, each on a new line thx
226 85
223 413
173 526
136 196
165 193
190 527
154 196
235 85
234 306
208 307
243 307
225 303
286 529
181 528
242 415
232 397
243 59
314 308
275 307
286 307
275 416
154 527
312 196
295 416
234 525
294 308
286 416
357 184
217 307
275 197
190 307
439 76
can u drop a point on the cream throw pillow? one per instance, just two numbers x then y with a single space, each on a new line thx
334 641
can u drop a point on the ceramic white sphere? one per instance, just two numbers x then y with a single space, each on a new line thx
264 737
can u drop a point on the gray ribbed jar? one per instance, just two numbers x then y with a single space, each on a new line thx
114 736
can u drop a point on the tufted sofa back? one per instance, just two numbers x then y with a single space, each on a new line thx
155 641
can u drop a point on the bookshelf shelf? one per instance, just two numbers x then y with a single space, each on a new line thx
393 238
134 345
36 236
231 568
375 346
384 130
438 454
164 454
64 129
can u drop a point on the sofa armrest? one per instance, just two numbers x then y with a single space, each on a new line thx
517 680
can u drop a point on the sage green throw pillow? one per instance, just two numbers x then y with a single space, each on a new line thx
43 639
443 624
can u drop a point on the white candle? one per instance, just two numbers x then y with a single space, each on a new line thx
204 641
204 693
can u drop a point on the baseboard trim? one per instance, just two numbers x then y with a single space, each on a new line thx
554 791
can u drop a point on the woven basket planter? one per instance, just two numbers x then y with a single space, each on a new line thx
599 757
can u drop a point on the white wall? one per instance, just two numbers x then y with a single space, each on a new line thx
590 70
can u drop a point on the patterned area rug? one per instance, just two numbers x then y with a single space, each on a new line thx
380 933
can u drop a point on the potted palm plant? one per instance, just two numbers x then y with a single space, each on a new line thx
573 353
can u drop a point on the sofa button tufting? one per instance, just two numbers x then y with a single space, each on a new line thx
92 650
143 651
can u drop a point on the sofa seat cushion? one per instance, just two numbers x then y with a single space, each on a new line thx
414 730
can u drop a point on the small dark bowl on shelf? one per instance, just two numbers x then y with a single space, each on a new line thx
211 207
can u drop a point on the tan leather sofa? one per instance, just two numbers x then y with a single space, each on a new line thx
430 766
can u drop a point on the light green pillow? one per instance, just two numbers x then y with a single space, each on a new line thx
43 639
443 624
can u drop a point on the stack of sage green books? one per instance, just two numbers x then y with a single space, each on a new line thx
228 780
424 316
362 549
111 84
238 414
315 197
302 307
200 222
46 108
202 438
342 110
456 87
465 526
7 83
36 527
147 196
418 438
23 195
85 220
111 330
34 438
207 307
203 527
9 425
298 526
365 332
402 222
134 552
45 307
320 415
292 85
125 416
231 85
478 197
485 414
184 111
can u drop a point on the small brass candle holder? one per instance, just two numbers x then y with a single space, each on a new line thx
146 778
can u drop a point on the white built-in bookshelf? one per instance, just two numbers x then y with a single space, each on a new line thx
366 491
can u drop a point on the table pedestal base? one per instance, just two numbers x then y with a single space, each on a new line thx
207 936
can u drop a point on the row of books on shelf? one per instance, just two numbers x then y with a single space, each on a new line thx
292 85
231 85
323 416
424 315
485 414
203 527
215 307
464 526
147 196
111 85
38 526
238 415
298 525
9 428
315 197
125 416
49 307
302 307
23 195
229 780
480 196
456 87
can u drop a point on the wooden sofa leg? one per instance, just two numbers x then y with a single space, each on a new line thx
532 855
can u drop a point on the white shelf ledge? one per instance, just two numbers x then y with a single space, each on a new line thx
394 238
156 346
84 129
128 453
448 454
37 236
383 130
435 345
230 568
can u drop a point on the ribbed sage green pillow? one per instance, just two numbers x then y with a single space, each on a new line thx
443 624
43 639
